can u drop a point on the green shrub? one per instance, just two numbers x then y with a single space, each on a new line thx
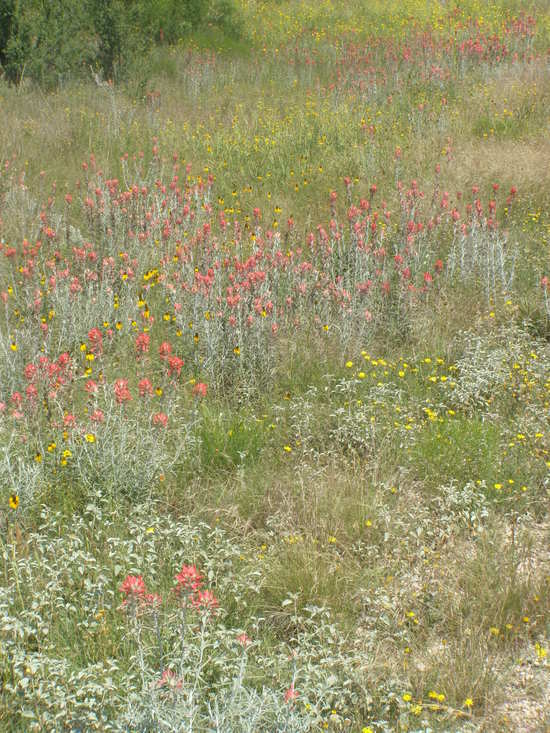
50 41
45 41
6 27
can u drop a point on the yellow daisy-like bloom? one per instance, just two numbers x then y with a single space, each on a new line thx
14 501
90 438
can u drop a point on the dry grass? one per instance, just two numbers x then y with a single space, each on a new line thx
524 164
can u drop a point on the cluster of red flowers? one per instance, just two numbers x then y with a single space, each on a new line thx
136 596
189 591
43 381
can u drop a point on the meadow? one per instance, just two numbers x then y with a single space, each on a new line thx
275 379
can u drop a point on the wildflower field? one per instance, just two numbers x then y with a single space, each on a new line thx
275 379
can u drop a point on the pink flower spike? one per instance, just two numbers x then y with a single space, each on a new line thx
160 419
152 600
188 580
96 341
133 586
205 600
175 364
291 694
200 389
91 387
122 393
244 640
145 387
142 343
165 349
168 679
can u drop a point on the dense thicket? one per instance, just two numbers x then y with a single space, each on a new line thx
51 41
